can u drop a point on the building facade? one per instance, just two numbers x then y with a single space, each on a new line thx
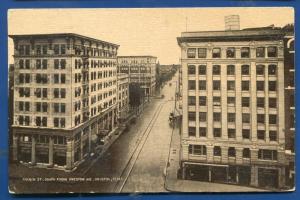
141 69
233 128
123 96
65 97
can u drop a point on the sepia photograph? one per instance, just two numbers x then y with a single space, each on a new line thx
151 100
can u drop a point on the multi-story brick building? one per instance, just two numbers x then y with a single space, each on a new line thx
141 69
123 96
233 88
65 97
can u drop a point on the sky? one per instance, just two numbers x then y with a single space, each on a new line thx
139 31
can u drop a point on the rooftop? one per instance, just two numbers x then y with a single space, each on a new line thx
259 32
60 35
139 56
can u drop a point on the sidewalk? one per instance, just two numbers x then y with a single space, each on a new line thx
173 184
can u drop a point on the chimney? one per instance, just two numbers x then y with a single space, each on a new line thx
232 22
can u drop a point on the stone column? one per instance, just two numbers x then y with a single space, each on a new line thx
50 151
33 144
81 146
70 151
209 173
183 171
281 177
254 176
90 138
112 119
15 146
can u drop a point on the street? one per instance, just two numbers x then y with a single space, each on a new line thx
135 162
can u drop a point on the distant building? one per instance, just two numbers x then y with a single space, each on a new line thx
123 96
233 91
65 97
141 69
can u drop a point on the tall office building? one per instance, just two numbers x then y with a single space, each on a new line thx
141 69
233 91
65 97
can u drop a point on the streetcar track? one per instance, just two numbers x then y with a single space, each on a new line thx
138 148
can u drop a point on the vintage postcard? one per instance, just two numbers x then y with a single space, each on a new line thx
151 100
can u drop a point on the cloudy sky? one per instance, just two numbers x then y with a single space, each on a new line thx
150 31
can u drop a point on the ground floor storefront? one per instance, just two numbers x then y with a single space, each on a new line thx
64 149
262 176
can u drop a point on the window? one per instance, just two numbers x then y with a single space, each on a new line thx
272 102
272 85
245 52
62 93
217 132
272 69
246 134
41 121
230 52
41 78
56 63
59 122
216 85
273 135
21 64
260 118
63 49
59 107
245 101
202 85
216 69
56 78
231 117
27 64
202 116
44 49
192 85
63 64
197 149
202 100
246 153
246 118
260 102
260 70
230 85
231 152
201 52
245 69
216 101
261 134
272 51
217 117
216 53
260 52
27 49
272 119
192 131
265 154
38 64
191 100
245 86
260 85
202 131
202 70
62 78
45 64
217 151
191 70
230 69
56 49
231 133
231 101
192 116
191 53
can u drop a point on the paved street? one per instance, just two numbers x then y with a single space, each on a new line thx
134 162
